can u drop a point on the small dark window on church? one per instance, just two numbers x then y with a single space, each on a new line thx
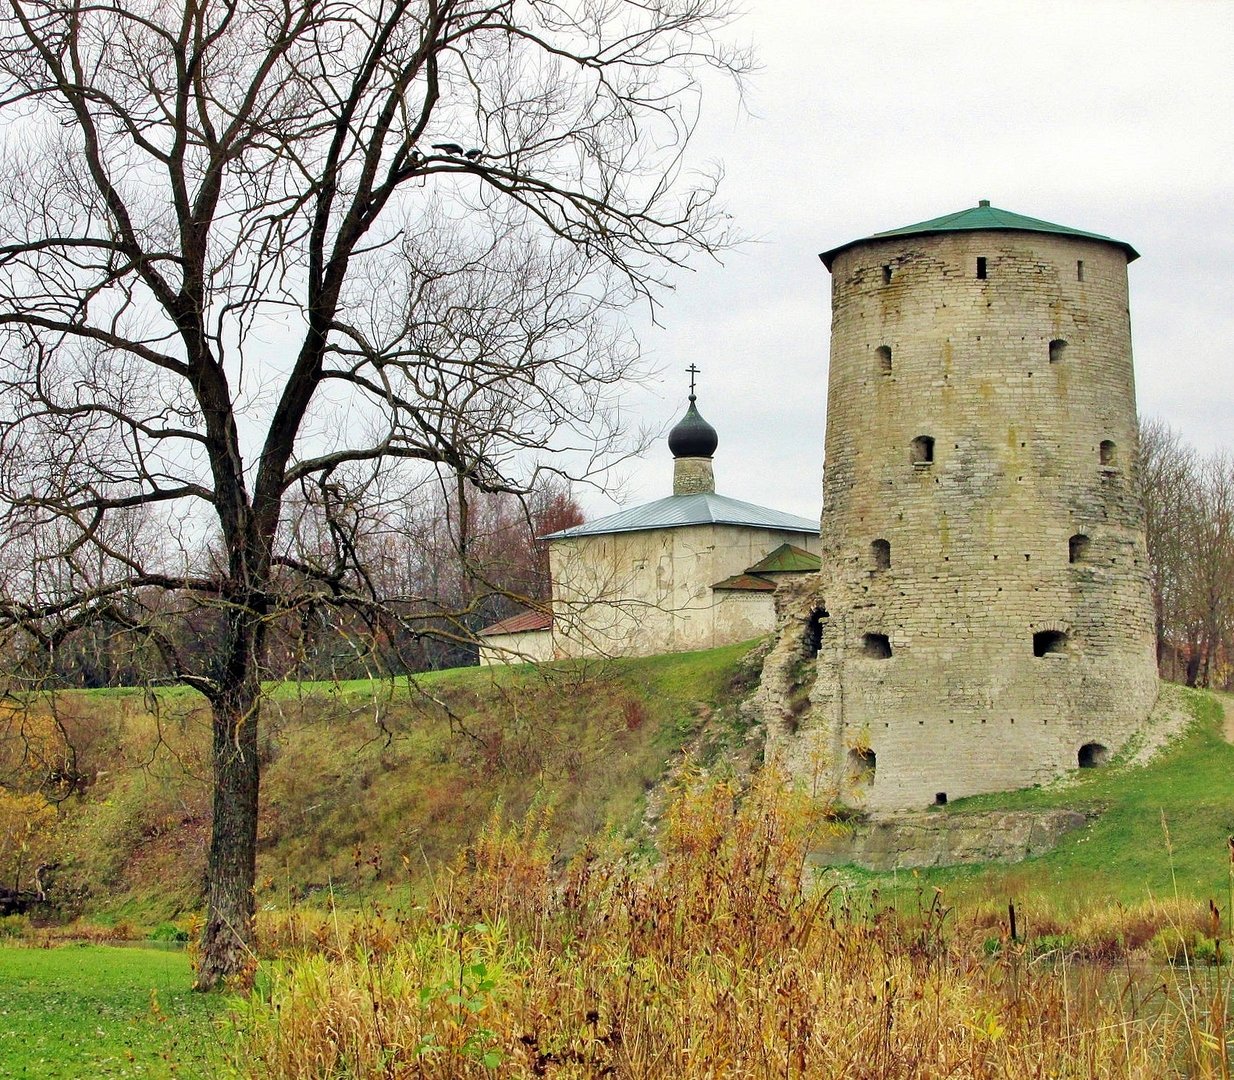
814 632
883 355
886 275
1093 755
1058 349
1079 269
1077 548
922 451
880 554
981 267
876 646
1108 452
1049 643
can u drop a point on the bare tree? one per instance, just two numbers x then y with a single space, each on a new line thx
1210 551
1189 503
255 248
1167 483
451 559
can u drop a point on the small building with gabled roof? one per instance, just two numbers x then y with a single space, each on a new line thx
527 636
787 562
694 570
787 559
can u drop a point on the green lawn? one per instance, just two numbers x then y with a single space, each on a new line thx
95 1011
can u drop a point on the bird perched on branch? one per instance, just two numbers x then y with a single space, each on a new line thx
448 148
473 155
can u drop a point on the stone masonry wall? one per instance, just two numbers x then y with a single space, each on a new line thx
692 475
1016 528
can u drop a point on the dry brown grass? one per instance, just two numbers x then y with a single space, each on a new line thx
716 961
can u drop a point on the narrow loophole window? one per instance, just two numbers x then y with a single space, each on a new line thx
1049 643
1077 548
876 646
880 554
813 640
922 450
1058 349
883 357
1108 452
886 275
1079 269
981 267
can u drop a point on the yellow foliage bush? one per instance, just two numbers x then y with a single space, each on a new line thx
719 959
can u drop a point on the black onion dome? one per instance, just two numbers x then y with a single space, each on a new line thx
692 436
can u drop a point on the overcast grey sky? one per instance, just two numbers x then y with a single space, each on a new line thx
1113 117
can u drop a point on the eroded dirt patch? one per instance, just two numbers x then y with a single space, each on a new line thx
1227 703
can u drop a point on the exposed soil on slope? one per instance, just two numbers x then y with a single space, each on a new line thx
1227 703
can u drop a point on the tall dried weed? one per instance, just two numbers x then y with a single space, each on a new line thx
716 960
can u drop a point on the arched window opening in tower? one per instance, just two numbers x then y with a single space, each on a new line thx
880 554
883 356
886 275
1093 755
862 762
1049 643
1058 349
1077 548
981 267
922 450
813 640
876 646
1108 452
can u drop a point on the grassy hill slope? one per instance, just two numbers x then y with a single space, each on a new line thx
370 787
1156 830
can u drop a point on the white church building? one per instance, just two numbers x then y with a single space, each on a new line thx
694 570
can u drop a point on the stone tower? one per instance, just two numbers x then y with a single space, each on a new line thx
982 620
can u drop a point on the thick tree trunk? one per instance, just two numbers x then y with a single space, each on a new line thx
226 942
1193 663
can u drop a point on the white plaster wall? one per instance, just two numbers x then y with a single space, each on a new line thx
530 646
646 592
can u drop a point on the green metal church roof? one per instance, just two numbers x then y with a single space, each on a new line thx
786 559
981 216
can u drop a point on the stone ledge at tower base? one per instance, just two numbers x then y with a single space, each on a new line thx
920 838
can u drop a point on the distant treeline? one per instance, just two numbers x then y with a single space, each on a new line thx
447 567
1189 504
440 570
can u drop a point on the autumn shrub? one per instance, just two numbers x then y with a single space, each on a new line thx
13 927
718 958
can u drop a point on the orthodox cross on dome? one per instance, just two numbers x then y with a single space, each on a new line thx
692 436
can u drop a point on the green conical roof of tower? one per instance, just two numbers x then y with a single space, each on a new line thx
981 216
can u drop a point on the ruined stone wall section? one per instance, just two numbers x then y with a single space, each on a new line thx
981 436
